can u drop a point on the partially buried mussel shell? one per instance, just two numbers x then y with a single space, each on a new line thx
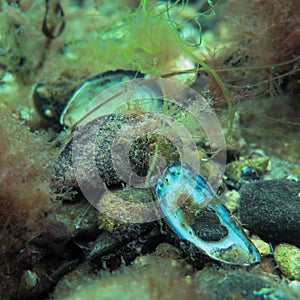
107 93
62 104
184 198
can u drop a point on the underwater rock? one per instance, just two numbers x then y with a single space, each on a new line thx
120 207
287 258
149 278
271 209
249 169
122 241
232 199
79 220
112 131
263 248
29 256
218 284
56 242
111 251
29 280
44 260
8 286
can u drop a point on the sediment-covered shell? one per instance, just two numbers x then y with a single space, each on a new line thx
139 151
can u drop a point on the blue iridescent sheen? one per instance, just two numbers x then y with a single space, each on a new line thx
182 193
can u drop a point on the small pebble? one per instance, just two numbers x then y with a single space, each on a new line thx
263 248
235 169
29 279
287 258
232 199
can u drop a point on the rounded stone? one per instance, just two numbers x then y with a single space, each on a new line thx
287 258
263 248
232 199
271 209
248 168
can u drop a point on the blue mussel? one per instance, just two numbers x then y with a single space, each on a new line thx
182 195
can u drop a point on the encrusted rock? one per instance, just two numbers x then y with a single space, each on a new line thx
232 199
287 258
247 169
263 248
218 284
271 209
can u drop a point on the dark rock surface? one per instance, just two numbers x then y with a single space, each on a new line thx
271 209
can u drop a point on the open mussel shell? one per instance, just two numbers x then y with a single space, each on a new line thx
192 211
104 94
65 103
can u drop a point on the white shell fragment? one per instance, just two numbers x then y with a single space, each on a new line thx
182 196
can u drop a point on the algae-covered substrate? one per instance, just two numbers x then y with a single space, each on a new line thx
149 149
